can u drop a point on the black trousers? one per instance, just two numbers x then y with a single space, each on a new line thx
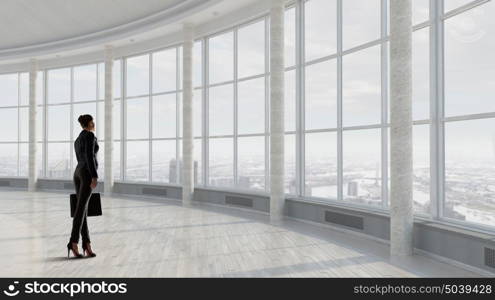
82 182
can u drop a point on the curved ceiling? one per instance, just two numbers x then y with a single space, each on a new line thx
31 28
25 22
50 29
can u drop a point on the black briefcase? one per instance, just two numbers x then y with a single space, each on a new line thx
94 205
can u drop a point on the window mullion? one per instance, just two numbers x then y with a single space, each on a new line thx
384 103
340 156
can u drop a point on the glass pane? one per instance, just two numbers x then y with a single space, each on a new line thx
117 78
164 166
251 159
164 116
117 129
321 95
137 82
85 83
198 162
8 159
39 87
251 47
221 162
137 161
24 124
421 167
453 4
165 71
221 56
320 28
197 64
85 109
221 113
100 130
116 161
469 169
361 22
290 164
58 160
23 89
290 100
197 112
469 85
361 87
59 85
362 166
24 159
180 65
421 10
137 118
39 160
8 125
40 118
8 86
251 106
421 74
101 81
290 37
321 165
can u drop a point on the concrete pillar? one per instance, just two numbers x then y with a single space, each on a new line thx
32 168
187 116
277 195
401 149
108 185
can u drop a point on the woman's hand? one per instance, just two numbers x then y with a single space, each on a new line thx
94 182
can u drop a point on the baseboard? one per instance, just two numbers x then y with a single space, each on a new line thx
455 263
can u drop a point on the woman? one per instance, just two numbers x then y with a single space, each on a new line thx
85 180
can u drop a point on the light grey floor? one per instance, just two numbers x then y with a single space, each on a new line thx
139 237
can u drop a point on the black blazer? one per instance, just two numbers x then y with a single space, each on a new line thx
86 148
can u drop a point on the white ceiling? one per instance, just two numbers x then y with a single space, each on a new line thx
57 32
27 22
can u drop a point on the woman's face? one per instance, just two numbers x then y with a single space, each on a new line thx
91 126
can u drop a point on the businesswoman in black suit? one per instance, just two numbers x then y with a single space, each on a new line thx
85 180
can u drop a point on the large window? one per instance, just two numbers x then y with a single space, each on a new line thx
236 108
470 114
337 108
9 124
72 92
152 117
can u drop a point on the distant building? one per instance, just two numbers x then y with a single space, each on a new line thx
244 182
292 187
352 189
174 175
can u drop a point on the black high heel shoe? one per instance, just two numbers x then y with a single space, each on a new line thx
85 250
69 249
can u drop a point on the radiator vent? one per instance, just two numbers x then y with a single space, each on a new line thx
490 257
4 183
154 191
239 201
344 220
68 186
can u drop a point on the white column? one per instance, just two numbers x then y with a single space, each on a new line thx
33 170
401 180
108 185
277 195
187 116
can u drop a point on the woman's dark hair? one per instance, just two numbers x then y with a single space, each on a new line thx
84 120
